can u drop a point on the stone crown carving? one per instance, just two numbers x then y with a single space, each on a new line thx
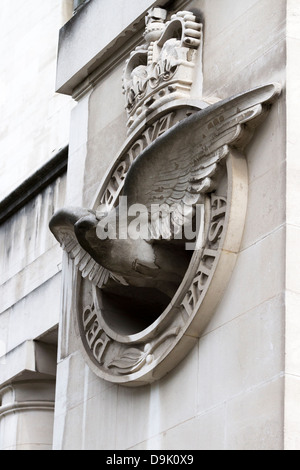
162 69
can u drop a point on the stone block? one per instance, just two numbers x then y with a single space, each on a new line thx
82 49
243 353
255 419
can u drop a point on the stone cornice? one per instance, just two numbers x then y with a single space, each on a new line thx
81 52
29 361
34 184
27 406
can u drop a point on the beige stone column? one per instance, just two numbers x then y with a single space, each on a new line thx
27 397
26 415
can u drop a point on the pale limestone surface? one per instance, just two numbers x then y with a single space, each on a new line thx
239 386
34 127
133 366
292 275
27 416
231 391
82 49
34 122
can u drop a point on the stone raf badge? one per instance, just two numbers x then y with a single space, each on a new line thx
152 258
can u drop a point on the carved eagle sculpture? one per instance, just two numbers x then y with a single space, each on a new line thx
177 170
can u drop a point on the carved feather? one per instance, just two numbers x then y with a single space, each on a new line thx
88 268
62 226
181 165
171 175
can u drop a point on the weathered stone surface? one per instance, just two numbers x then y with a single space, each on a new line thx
180 169
239 359
82 49
238 388
34 129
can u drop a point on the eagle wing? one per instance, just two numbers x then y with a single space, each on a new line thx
181 165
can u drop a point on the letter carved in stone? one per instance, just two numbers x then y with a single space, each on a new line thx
95 336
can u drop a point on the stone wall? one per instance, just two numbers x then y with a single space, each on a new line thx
34 135
292 365
232 391
238 388
34 127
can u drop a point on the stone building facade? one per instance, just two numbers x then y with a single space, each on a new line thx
231 381
34 152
